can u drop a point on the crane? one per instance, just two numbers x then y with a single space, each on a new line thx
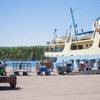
74 25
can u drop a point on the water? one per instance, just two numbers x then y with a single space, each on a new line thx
10 63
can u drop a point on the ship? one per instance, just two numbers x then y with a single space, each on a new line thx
86 46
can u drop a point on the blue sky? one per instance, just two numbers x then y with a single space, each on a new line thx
31 22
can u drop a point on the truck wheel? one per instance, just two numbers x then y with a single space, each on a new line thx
12 85
99 68
25 73
61 73
46 73
16 73
39 73
79 70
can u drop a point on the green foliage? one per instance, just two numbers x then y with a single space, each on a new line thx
22 53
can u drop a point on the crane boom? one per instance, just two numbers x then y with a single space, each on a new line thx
74 25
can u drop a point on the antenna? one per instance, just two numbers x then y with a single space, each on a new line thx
74 25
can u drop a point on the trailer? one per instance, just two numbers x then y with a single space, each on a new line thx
22 68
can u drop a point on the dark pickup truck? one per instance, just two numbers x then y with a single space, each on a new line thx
12 80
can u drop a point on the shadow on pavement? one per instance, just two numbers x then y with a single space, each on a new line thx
7 88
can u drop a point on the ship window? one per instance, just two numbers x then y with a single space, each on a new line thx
51 49
61 49
90 44
73 47
80 46
86 45
47 49
56 49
